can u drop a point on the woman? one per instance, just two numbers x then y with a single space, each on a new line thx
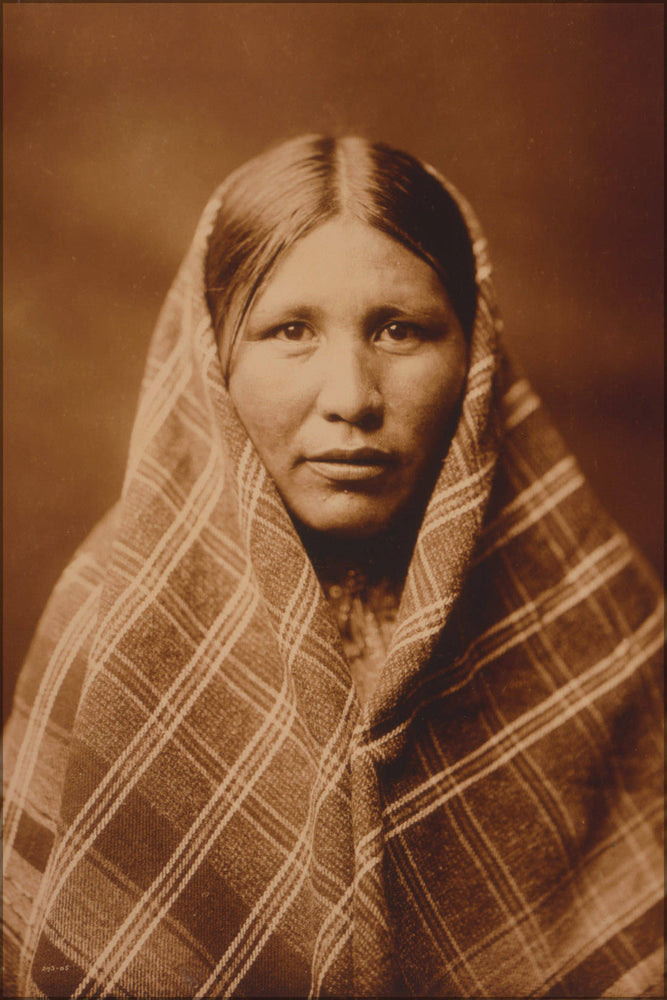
355 690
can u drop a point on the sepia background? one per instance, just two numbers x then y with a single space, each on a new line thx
120 119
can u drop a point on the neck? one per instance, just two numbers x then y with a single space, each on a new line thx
383 556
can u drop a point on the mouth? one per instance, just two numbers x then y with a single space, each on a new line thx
350 465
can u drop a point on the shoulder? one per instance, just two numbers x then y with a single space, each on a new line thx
73 602
48 687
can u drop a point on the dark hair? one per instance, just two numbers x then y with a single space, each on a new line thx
275 199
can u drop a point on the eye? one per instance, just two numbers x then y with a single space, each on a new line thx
399 334
293 333
396 331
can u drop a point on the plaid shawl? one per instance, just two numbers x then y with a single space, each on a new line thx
197 804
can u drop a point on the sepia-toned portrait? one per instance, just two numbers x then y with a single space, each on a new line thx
333 500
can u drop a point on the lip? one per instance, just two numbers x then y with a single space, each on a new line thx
350 464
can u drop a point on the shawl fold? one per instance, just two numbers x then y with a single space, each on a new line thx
197 804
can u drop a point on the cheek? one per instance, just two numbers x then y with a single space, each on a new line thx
426 399
266 404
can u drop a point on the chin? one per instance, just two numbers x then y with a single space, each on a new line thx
357 520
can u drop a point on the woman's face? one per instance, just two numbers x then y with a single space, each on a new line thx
350 367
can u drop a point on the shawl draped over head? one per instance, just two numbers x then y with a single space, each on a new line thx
197 803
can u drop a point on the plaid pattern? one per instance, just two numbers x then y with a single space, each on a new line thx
198 806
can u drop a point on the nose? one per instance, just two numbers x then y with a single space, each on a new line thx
350 390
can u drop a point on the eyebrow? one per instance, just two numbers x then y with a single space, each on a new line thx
423 312
375 316
284 314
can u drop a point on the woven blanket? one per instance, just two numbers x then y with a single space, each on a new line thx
198 805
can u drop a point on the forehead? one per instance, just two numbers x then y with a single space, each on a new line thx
345 262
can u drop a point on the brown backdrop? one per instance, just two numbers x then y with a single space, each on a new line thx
121 118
